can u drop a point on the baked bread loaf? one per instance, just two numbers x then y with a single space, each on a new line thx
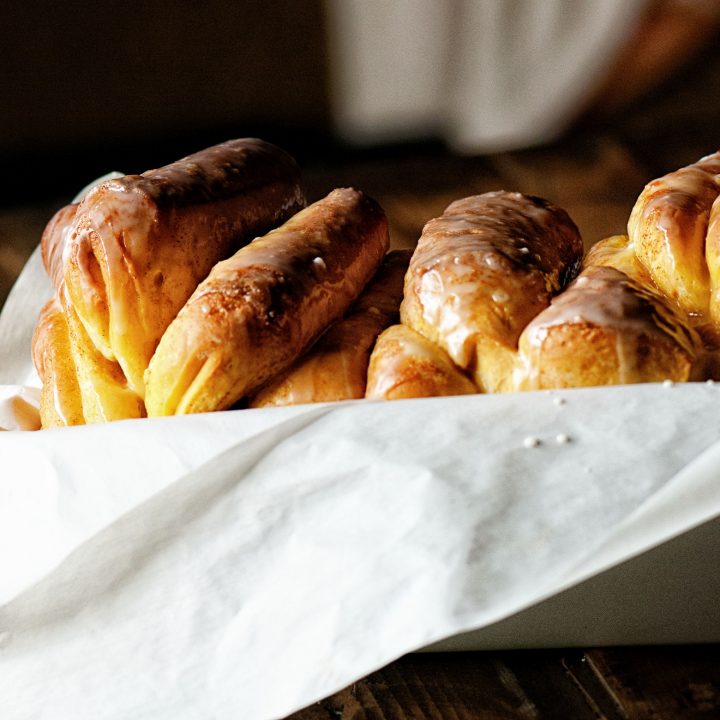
336 367
404 364
258 311
140 244
482 271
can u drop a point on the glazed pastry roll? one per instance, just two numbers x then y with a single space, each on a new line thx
668 228
404 364
80 385
482 271
335 368
605 329
258 311
140 244
60 401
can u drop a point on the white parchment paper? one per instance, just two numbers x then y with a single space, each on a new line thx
244 564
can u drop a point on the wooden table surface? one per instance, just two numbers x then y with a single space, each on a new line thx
596 177
617 684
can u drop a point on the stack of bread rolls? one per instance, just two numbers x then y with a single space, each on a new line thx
493 295
208 284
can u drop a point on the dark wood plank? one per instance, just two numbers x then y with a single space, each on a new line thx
560 687
463 686
644 683
681 683
436 687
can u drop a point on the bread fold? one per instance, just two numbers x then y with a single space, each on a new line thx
258 311
60 400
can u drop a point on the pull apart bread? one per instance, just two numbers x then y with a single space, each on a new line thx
163 308
126 258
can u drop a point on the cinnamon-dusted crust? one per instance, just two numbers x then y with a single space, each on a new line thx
668 229
335 368
259 310
404 364
605 329
482 271
139 245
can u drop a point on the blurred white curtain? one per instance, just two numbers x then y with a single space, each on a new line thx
485 74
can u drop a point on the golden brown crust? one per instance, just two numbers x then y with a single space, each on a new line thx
60 402
259 310
52 243
605 329
104 390
668 227
404 364
482 271
335 368
140 244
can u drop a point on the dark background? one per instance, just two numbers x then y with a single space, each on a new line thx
93 86
89 87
